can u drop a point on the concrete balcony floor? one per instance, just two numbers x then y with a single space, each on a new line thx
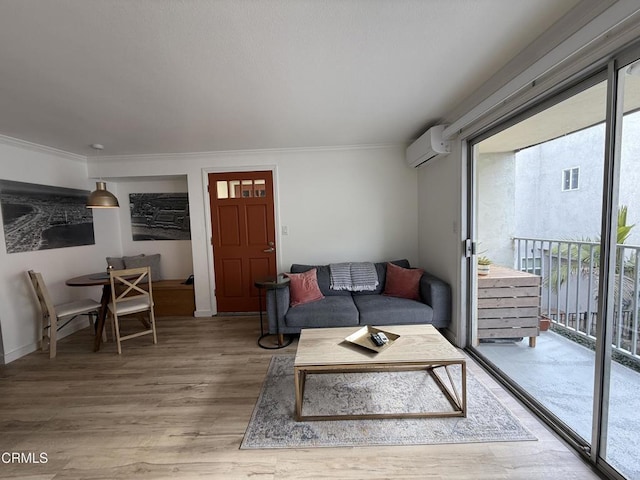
560 374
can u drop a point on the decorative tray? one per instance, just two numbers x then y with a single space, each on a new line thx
362 337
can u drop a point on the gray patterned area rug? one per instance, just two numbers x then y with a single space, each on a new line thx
273 425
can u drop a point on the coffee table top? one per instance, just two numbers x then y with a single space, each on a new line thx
417 343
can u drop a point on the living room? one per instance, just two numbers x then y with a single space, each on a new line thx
339 197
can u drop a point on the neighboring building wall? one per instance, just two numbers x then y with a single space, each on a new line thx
630 174
543 209
496 191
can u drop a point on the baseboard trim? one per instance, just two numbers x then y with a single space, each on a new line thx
79 323
19 352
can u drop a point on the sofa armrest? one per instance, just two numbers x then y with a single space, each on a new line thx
281 296
437 294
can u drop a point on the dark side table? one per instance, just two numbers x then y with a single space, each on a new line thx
266 284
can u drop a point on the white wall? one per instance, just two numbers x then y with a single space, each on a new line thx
175 255
338 203
350 205
441 228
19 318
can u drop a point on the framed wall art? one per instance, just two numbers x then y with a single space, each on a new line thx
41 217
159 216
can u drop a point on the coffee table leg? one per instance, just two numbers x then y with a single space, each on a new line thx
299 377
464 388
457 401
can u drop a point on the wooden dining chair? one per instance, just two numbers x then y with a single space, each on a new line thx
131 293
54 315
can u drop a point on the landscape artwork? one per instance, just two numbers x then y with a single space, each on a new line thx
40 217
159 216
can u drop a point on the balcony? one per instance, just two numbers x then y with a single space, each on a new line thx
559 371
569 293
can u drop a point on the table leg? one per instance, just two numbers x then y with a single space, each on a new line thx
102 315
279 336
464 388
260 303
299 380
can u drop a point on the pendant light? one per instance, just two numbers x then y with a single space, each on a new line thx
101 197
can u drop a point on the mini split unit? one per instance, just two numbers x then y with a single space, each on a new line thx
430 145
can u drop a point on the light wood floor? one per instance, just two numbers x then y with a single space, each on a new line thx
179 410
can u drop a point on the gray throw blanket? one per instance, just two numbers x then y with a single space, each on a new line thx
354 277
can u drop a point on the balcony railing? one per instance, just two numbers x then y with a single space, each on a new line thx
570 280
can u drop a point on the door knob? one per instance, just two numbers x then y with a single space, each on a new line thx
271 248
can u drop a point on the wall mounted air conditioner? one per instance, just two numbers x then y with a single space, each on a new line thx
428 146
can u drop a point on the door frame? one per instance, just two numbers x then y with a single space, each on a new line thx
207 217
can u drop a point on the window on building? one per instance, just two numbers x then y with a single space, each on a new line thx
570 178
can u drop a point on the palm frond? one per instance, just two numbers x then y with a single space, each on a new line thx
573 257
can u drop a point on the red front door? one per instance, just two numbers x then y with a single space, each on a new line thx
243 228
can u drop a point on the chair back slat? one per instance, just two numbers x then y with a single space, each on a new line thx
46 304
130 281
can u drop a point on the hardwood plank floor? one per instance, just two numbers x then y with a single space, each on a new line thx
179 409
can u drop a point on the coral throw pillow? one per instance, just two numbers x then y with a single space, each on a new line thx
304 287
403 282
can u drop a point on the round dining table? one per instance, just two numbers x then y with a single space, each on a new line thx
93 280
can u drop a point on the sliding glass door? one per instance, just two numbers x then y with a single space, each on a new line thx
538 204
556 210
621 356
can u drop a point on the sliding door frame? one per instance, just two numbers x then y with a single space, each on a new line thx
531 402
608 242
595 452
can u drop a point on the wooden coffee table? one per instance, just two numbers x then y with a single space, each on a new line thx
420 347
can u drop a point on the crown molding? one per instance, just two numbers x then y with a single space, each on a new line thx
15 142
34 147
226 153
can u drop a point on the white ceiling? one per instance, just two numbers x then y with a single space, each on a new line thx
166 76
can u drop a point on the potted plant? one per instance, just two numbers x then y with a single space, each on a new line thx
484 265
545 322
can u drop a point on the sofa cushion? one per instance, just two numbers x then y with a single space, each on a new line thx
324 279
304 287
152 261
331 311
116 262
384 310
381 269
403 282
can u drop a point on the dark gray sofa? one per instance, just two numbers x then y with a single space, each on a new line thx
340 308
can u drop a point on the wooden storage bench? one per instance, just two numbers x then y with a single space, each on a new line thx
508 304
173 298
